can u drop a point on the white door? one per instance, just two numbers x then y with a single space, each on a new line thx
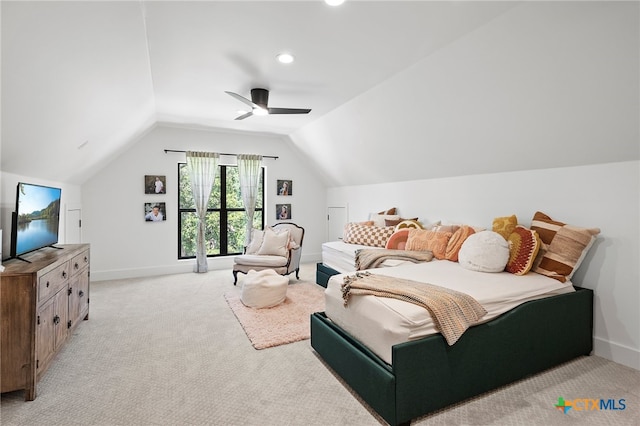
336 219
73 227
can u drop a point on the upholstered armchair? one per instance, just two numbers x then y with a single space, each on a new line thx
278 247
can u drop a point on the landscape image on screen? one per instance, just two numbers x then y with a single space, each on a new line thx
38 209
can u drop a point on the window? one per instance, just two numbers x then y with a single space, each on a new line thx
226 217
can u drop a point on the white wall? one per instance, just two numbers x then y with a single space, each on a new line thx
9 181
604 196
124 245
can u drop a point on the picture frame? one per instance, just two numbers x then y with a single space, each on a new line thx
284 187
283 211
155 184
155 212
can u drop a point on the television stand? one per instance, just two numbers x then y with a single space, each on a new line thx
42 303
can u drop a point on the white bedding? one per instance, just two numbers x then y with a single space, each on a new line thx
341 256
379 323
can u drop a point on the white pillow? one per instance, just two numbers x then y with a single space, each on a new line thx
274 244
378 219
257 236
484 251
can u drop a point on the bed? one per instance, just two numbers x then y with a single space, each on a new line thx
414 372
339 257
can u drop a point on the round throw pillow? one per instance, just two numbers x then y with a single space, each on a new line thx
455 243
484 251
398 240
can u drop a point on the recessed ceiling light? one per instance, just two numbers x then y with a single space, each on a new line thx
334 2
285 58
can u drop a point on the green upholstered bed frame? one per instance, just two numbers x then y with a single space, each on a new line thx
427 374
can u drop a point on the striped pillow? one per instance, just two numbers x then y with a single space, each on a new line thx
373 236
565 246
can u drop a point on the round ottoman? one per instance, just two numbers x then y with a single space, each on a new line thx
264 289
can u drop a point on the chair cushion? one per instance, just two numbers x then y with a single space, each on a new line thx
274 243
264 289
260 260
256 241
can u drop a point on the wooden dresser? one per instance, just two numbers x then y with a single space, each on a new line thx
41 302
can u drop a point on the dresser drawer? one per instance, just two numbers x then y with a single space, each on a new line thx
79 261
52 281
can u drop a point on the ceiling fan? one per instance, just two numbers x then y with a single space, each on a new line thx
259 105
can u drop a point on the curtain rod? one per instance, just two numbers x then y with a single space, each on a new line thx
264 156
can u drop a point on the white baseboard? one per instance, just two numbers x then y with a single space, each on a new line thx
617 353
180 267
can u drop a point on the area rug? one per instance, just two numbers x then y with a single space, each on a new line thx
286 323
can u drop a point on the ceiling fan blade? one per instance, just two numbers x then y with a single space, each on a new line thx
243 116
242 99
288 111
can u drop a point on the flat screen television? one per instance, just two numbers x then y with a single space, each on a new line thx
36 219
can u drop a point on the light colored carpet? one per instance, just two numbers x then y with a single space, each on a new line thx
169 351
285 323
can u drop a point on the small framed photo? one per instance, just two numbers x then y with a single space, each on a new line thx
283 211
155 184
285 187
155 212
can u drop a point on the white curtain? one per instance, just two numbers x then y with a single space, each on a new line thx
249 173
202 167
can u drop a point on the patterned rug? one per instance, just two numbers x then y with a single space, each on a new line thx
286 323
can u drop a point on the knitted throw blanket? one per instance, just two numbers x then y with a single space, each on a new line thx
372 258
453 312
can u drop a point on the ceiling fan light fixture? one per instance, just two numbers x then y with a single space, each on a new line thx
285 58
260 111
334 2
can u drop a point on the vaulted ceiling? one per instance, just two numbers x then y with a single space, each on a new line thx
83 80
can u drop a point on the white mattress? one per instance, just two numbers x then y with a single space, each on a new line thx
379 323
341 256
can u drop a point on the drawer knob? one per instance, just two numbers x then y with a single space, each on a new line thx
76 266
81 293
64 274
47 284
56 319
86 259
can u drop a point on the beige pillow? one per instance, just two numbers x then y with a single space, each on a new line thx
274 244
379 219
257 236
564 249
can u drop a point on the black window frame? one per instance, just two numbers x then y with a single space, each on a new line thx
223 211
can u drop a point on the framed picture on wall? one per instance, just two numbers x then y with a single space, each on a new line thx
285 187
155 212
155 184
283 211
